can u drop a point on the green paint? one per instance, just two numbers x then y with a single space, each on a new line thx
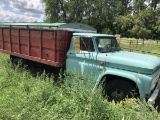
136 67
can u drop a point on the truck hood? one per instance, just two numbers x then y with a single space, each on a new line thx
131 61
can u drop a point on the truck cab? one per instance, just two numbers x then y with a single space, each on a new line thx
120 73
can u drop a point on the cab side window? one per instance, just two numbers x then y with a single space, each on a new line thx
86 44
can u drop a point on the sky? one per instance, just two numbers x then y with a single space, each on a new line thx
22 11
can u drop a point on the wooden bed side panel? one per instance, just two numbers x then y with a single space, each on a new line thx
49 45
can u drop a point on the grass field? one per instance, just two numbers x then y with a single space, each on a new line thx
152 46
24 96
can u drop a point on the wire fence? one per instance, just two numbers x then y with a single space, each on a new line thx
132 41
142 51
139 45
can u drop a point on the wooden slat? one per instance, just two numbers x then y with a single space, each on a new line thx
41 32
29 42
2 39
10 39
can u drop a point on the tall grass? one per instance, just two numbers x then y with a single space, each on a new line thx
149 45
27 97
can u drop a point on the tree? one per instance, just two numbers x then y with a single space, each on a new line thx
55 10
157 26
153 3
123 25
140 32
124 7
138 5
149 18
109 16
98 13
141 25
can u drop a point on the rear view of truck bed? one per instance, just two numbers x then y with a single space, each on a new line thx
41 42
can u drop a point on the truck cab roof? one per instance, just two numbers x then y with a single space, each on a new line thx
92 35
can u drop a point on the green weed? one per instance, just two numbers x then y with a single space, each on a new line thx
27 97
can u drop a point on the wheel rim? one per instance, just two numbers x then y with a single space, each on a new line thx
117 95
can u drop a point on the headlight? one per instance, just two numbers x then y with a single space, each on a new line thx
154 82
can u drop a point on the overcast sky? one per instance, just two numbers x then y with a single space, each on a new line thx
21 11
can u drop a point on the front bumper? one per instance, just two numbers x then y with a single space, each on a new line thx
155 94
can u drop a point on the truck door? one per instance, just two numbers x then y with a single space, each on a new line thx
101 46
81 57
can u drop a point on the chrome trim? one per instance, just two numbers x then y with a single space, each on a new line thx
154 82
155 94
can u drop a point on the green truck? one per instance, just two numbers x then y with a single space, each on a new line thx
79 47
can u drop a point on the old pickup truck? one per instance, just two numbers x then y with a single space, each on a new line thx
79 47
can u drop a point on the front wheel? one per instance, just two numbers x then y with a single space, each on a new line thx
118 90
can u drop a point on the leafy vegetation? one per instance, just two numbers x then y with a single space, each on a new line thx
130 18
143 25
25 96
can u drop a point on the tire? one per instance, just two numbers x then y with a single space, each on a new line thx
17 62
118 90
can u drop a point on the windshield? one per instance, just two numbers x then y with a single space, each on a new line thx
107 44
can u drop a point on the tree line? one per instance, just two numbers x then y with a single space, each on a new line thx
129 18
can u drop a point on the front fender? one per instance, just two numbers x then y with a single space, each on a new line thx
125 74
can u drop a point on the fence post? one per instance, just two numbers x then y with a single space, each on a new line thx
137 43
119 41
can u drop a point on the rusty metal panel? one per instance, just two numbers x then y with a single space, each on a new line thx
24 33
6 38
45 46
59 35
48 54
15 48
24 40
48 34
60 56
14 39
0 31
35 52
35 42
0 37
6 31
47 43
1 44
7 46
24 49
35 33
14 32
60 45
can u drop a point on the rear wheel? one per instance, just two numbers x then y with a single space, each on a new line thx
17 62
118 90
